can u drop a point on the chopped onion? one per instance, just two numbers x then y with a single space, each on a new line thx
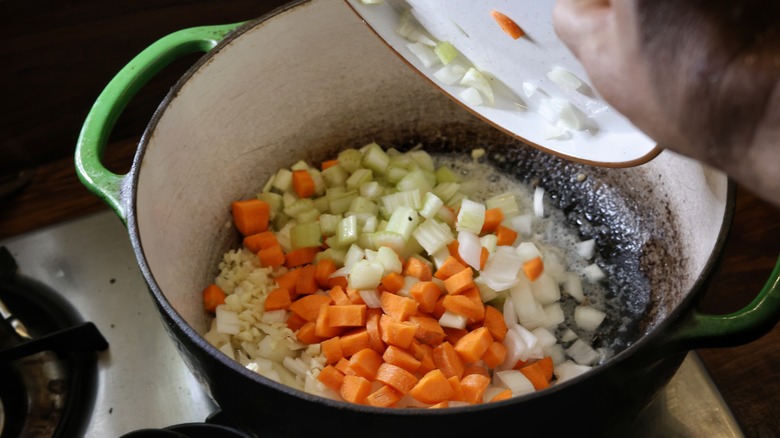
553 315
588 318
473 78
514 381
545 289
453 320
573 286
539 201
556 132
371 297
593 273
470 248
227 321
569 370
523 224
565 79
569 335
424 53
274 316
529 89
527 251
529 312
471 96
582 353
365 275
586 248
501 269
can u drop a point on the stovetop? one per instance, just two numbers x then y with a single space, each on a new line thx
143 382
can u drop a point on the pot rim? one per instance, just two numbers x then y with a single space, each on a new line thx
129 193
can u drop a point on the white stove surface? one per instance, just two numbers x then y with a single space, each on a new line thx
143 382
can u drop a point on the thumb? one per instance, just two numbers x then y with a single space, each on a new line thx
579 22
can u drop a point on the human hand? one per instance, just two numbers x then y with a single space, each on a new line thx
699 77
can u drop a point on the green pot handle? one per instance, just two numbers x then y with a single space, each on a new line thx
114 99
698 330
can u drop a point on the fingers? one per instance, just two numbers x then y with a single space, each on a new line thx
578 23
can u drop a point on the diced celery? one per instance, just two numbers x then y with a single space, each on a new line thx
319 183
308 215
329 223
358 177
347 233
395 174
300 165
305 235
410 198
390 239
446 190
370 225
389 260
431 204
506 202
403 221
446 52
433 235
455 200
337 255
322 204
340 203
299 206
471 216
402 160
414 180
288 199
283 180
375 158
274 200
371 190
366 240
350 159
335 176
360 204
423 159
280 220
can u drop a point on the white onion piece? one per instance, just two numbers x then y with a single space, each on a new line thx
582 353
424 53
568 335
545 289
471 96
515 349
486 292
556 352
450 74
529 89
588 318
354 254
544 337
523 224
550 109
556 132
274 316
565 79
453 320
586 248
553 315
569 370
539 201
593 273
295 365
365 275
554 267
501 269
470 248
570 117
406 289
527 251
532 348
514 381
473 78
227 321
573 286
371 297
490 392
227 350
510 315
529 312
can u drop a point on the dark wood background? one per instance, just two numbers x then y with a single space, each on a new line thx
58 55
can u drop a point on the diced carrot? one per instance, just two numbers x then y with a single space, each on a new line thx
374 333
331 377
294 321
505 236
325 267
354 296
448 268
457 389
365 363
474 386
447 360
483 257
418 269
546 365
261 240
457 283
503 395
277 299
536 375
473 294
331 349
464 306
438 309
288 281
303 183
338 281
495 323
305 283
495 354
329 163
250 216
423 353
533 268
507 25
272 256
398 378
307 333
441 405
473 345
339 296
429 331
355 389
401 357
213 296
393 282
452 248
301 256
354 341
343 366
398 333
493 218
308 306
352 315
322 327
476 368
384 397
426 293
398 307
453 335
432 388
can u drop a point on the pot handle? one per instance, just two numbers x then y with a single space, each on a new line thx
109 105
698 330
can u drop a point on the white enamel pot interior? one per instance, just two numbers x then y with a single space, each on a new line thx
311 79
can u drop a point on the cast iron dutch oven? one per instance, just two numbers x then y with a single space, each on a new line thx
309 79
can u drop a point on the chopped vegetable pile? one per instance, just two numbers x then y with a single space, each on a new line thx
379 279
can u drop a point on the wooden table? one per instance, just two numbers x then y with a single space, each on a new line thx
748 376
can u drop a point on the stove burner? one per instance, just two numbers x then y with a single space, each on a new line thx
49 377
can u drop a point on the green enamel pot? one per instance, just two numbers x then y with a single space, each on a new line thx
309 79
